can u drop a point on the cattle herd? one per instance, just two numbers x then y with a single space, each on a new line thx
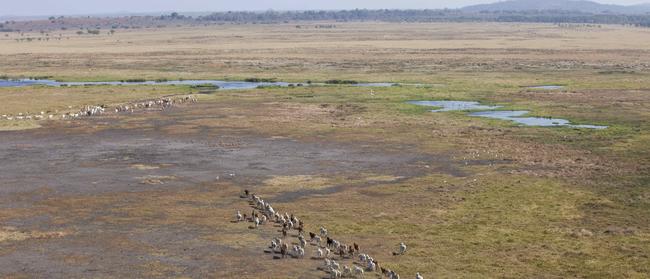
326 248
86 111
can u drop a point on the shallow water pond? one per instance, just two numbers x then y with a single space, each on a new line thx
547 87
517 116
453 105
221 83
374 84
18 83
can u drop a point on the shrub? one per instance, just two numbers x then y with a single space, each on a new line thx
259 80
134 80
338 81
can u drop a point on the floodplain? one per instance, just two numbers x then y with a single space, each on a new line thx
155 191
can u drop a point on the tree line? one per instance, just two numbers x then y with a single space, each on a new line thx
428 16
447 15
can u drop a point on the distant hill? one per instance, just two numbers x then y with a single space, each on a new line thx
559 5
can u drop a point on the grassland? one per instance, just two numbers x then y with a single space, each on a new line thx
479 198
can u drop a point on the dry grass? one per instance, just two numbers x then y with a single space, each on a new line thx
295 182
367 51
13 234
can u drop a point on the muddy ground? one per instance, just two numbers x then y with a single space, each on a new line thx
82 198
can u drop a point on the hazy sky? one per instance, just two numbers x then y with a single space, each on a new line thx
71 7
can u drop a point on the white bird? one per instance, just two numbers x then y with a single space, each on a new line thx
257 222
418 276
239 217
402 248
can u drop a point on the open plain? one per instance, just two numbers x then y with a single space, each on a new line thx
155 192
